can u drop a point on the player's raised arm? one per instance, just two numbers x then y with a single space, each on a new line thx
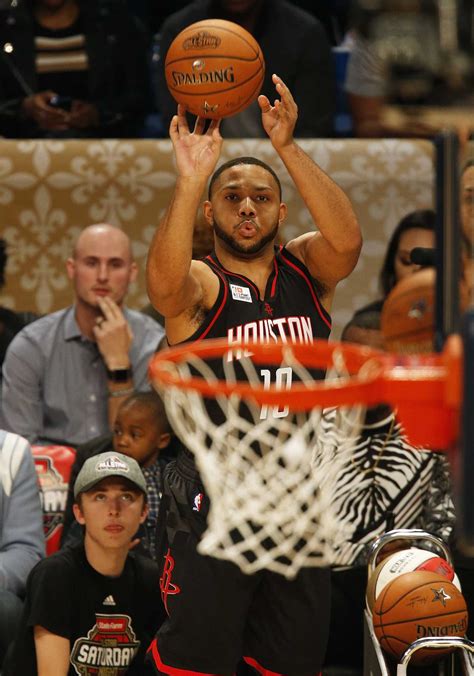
173 280
331 253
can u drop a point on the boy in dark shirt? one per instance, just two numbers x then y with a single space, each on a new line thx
142 432
93 606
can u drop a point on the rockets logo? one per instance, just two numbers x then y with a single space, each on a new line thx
268 310
167 587
109 647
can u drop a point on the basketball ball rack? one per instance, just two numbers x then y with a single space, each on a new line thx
375 661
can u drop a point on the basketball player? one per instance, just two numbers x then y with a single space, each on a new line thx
246 289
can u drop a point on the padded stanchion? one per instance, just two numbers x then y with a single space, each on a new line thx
53 466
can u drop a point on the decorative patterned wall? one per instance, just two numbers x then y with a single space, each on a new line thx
49 190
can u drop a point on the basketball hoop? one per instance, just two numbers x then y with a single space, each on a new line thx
252 413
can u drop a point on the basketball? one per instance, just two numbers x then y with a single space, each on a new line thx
406 561
407 318
215 68
416 605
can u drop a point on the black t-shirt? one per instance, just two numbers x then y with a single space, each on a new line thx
108 621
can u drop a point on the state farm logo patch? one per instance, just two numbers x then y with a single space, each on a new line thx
241 293
108 649
112 463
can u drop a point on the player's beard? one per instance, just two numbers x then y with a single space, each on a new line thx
236 247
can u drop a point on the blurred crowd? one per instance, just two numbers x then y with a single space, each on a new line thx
74 69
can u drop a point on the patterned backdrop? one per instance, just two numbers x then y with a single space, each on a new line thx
49 190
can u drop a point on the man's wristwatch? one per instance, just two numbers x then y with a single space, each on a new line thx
119 375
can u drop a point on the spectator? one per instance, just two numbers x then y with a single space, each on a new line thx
21 531
364 328
142 432
92 608
71 68
467 203
467 217
65 375
10 322
367 86
294 45
416 229
333 14
388 484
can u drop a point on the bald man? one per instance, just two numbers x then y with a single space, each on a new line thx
65 375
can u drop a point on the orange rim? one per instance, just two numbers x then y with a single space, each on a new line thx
317 355
424 388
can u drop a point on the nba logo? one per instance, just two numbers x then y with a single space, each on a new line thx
198 502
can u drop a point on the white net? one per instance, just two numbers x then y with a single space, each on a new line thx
266 469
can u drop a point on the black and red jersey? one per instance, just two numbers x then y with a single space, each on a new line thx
290 311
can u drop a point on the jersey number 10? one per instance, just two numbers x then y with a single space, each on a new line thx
283 380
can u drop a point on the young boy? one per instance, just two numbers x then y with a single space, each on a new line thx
93 607
142 432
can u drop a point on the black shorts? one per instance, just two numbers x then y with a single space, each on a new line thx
217 614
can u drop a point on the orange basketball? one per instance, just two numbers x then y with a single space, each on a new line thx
416 605
407 319
215 68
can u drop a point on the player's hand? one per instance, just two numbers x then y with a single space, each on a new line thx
113 335
279 120
196 152
38 108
